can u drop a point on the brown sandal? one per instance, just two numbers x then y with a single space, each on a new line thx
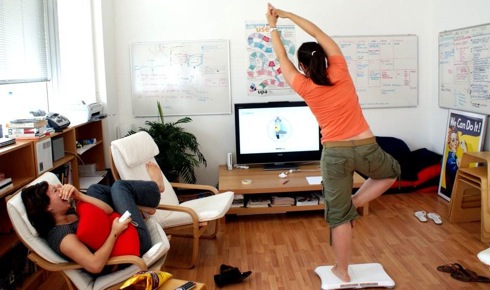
450 268
466 275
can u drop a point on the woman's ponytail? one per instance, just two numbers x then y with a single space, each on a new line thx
313 59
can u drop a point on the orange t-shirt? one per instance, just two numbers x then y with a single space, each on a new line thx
336 108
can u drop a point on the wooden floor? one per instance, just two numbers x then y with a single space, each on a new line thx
282 250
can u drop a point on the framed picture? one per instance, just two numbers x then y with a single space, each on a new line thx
464 133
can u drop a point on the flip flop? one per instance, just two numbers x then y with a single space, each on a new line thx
421 216
466 275
435 217
450 268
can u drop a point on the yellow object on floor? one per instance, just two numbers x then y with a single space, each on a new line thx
146 280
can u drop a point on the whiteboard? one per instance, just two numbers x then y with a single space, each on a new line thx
464 69
384 69
186 77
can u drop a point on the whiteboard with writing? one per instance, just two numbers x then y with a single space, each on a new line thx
464 69
186 77
384 69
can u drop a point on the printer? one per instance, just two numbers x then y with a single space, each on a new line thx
85 112
95 111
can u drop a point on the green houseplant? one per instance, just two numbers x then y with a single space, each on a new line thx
179 150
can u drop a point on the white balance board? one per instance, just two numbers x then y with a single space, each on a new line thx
362 276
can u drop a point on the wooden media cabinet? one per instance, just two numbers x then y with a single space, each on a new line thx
268 182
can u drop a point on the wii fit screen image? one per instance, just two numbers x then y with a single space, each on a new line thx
290 129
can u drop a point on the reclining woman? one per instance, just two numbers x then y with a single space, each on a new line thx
51 213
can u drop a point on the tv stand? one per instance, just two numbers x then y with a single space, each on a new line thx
257 181
280 166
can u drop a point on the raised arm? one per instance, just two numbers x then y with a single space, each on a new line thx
289 71
327 43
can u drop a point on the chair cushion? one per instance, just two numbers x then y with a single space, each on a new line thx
94 227
24 229
207 208
136 149
134 167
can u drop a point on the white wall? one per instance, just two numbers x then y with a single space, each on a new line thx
153 20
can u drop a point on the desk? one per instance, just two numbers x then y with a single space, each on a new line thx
264 182
173 283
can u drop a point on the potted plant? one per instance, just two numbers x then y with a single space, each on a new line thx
179 150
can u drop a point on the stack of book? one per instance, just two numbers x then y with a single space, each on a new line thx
282 200
6 184
259 201
27 128
238 201
306 199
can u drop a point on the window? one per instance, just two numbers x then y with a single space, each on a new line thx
68 69
23 46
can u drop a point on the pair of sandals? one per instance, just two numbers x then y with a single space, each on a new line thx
422 216
459 273
230 275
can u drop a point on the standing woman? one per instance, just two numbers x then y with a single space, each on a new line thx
348 143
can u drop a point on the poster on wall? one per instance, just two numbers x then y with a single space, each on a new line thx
464 133
264 77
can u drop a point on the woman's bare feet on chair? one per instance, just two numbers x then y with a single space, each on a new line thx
344 276
155 175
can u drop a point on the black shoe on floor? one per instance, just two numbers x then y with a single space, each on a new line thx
230 276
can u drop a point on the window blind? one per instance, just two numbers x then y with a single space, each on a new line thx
23 43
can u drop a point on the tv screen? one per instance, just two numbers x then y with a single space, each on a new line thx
277 134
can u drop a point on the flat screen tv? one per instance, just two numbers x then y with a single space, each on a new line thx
279 135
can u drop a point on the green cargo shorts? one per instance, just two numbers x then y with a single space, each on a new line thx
338 162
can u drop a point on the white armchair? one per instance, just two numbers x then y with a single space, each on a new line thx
129 156
46 258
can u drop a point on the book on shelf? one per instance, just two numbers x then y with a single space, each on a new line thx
6 188
6 181
22 131
306 199
282 200
63 173
238 201
259 201
27 123
6 141
6 184
28 136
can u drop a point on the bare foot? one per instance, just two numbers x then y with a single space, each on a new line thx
342 275
155 175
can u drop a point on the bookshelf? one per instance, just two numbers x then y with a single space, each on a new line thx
20 162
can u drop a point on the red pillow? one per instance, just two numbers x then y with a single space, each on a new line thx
94 226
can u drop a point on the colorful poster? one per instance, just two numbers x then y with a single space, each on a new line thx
264 75
465 133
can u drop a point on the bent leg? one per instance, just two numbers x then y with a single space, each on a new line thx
100 191
126 195
370 190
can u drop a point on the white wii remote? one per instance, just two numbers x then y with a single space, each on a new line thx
125 216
